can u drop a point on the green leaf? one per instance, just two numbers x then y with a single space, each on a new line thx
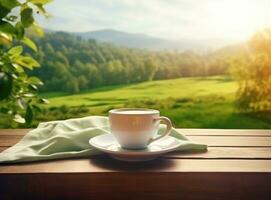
3 11
19 30
27 62
37 29
27 18
5 85
6 27
18 68
4 110
15 51
11 18
41 9
5 38
29 43
40 2
29 115
21 103
36 108
9 4
34 80
19 119
29 95
33 87
14 76
45 101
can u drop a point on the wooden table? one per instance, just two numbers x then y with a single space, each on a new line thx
237 166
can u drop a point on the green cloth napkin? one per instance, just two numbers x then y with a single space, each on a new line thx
70 138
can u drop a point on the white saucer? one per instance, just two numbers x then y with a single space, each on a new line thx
108 144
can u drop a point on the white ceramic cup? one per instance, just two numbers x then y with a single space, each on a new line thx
136 128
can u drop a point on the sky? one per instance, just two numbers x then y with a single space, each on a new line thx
234 20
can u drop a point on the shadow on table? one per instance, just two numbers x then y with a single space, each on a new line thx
109 163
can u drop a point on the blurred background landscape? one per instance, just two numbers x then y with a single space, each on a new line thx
204 64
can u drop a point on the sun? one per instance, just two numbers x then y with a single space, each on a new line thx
234 19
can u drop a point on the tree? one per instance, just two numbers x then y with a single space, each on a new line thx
253 73
93 64
18 90
150 69
114 72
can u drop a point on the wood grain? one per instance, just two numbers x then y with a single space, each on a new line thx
104 165
237 166
7 141
226 132
233 141
135 186
2 149
9 132
224 153
219 153
202 132
212 141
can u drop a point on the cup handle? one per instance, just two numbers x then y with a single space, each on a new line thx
168 130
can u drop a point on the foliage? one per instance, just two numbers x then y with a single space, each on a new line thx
253 73
190 102
17 89
72 64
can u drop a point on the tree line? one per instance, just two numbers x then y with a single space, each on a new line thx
253 73
72 64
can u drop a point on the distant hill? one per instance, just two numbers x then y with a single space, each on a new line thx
143 41
232 50
124 39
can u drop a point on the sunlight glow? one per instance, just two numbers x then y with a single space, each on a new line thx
235 19
230 20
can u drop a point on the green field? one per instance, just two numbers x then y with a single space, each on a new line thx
189 102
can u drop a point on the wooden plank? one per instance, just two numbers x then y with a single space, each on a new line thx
200 132
2 149
233 141
212 141
7 141
134 186
9 132
219 153
225 153
221 173
226 132
104 165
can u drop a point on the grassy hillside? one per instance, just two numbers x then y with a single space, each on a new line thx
189 102
175 88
